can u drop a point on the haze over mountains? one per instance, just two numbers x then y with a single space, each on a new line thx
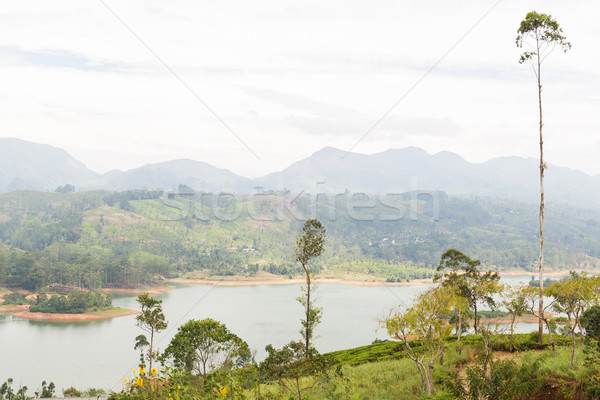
28 165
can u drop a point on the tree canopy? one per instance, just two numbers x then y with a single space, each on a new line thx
205 346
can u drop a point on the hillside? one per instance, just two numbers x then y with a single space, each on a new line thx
128 238
27 165
33 166
170 174
401 170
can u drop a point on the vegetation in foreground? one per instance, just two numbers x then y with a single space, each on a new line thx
433 358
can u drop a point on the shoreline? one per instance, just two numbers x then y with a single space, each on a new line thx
547 274
276 280
295 281
39 316
285 281
137 291
13 307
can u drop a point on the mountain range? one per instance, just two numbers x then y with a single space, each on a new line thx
28 165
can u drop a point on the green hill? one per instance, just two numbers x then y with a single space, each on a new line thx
102 238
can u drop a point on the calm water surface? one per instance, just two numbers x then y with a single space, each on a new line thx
100 353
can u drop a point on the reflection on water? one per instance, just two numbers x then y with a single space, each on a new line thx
99 353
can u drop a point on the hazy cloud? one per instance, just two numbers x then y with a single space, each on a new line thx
56 58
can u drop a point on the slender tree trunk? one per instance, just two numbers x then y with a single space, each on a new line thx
572 346
475 319
542 167
150 355
308 327
430 376
512 331
459 333
550 336
298 389
424 379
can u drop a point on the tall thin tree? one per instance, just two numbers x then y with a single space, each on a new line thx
309 245
151 319
542 35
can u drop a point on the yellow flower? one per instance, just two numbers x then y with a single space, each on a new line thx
142 370
153 371
124 379
139 382
223 391
133 370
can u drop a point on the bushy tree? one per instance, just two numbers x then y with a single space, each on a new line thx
515 302
573 296
47 390
206 346
424 321
590 321
291 364
459 272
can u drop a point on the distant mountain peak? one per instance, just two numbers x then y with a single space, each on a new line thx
28 165
328 152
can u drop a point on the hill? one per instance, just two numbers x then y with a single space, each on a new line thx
401 170
28 165
170 174
103 238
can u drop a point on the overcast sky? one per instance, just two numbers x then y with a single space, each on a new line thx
284 79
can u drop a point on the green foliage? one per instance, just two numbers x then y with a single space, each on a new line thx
502 379
15 298
573 296
290 365
182 385
65 189
492 313
424 320
205 346
590 321
71 392
544 31
547 282
151 319
140 342
458 272
75 303
7 392
47 390
310 242
388 350
84 239
309 245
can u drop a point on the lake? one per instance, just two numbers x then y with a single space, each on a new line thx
100 353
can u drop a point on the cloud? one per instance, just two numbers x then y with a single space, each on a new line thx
422 126
56 58
300 103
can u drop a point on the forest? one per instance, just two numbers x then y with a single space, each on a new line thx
124 239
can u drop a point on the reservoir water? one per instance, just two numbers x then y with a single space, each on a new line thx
100 353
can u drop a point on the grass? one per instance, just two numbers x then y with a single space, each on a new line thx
383 380
381 371
388 350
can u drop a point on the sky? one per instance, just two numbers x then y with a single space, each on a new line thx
255 86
